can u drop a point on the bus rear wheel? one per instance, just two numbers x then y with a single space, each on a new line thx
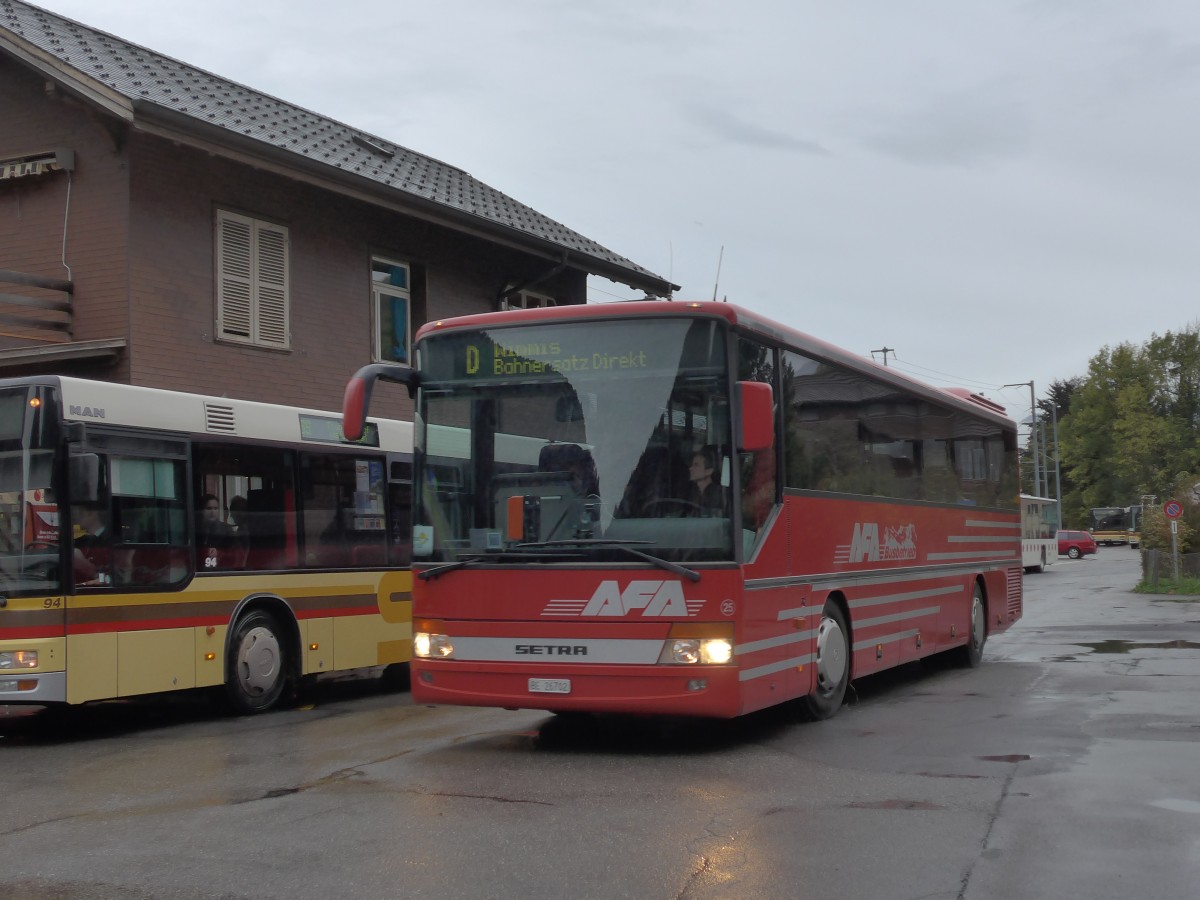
971 655
832 665
257 667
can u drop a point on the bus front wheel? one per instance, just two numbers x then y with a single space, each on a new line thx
832 665
257 668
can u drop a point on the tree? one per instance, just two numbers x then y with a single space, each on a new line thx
1133 424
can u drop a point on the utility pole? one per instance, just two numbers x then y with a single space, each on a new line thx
1033 441
885 351
1057 472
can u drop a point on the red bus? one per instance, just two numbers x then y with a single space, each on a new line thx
684 508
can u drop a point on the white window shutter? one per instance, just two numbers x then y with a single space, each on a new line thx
272 283
252 281
234 286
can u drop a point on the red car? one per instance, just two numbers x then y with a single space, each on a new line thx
1075 543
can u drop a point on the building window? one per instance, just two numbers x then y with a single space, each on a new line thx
252 281
526 300
391 309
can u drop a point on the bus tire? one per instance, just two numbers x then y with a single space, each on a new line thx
256 672
832 665
970 654
395 678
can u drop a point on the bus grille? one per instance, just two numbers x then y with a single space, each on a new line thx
1014 593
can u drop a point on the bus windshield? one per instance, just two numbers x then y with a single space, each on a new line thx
29 533
587 438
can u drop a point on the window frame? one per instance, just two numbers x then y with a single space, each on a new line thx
527 300
381 290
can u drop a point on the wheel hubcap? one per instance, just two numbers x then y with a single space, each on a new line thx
831 655
258 661
977 624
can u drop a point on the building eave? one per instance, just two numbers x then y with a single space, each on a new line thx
153 119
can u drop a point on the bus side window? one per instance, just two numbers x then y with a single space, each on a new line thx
343 517
149 521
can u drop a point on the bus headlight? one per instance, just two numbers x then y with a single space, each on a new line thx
716 651
18 659
697 648
431 645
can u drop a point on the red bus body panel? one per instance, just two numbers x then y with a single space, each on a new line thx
904 573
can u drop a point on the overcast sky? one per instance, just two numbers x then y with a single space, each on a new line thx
993 190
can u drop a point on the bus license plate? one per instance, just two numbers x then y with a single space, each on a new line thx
549 685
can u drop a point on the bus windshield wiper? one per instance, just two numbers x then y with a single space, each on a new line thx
504 556
624 547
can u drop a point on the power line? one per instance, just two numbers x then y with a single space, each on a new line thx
954 380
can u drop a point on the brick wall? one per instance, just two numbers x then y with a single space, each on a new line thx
176 192
140 246
34 210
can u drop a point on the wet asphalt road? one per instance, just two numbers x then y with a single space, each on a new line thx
1068 765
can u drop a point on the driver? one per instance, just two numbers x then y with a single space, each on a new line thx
704 492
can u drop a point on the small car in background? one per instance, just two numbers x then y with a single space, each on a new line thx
1075 544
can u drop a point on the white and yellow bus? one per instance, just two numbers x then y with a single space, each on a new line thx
155 541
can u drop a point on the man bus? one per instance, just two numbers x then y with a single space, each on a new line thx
1115 525
868 520
155 541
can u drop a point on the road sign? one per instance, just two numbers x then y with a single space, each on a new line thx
1172 509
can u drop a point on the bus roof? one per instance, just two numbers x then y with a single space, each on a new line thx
111 403
744 320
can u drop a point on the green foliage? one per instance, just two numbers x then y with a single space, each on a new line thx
1132 425
1186 590
1156 527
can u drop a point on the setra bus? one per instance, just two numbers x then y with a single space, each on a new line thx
154 541
1039 529
684 508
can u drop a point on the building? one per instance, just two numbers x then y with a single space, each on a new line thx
164 226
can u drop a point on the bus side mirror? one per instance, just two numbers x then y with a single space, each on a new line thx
358 393
756 423
85 478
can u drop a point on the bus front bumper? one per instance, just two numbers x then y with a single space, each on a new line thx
702 691
40 688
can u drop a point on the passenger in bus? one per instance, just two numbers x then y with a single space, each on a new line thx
237 514
239 541
706 494
214 539
574 460
92 542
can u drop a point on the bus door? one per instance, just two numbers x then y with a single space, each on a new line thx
32 602
128 534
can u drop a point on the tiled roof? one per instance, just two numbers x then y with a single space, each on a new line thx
150 81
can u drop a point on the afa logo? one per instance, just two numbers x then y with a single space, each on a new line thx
649 597
872 543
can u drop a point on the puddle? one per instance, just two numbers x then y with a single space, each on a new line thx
1126 646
